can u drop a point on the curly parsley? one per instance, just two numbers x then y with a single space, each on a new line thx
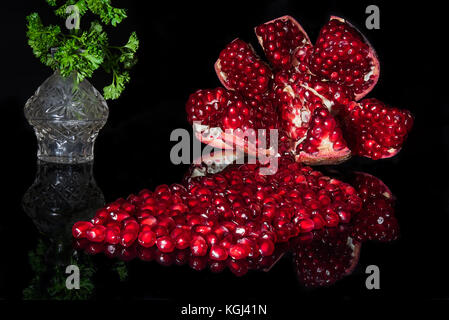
82 52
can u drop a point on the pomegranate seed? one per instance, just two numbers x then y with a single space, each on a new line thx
239 251
96 234
147 238
198 246
165 244
80 228
218 253
266 247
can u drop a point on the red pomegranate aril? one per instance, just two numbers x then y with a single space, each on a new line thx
239 251
149 220
165 244
147 238
160 231
145 254
198 263
306 225
318 221
119 215
211 239
111 251
198 246
239 267
130 225
96 233
217 266
182 241
266 247
218 253
128 253
128 207
166 222
127 238
80 228
94 248
203 230
112 235
332 219
101 217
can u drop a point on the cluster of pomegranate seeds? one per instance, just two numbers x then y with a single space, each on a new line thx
342 55
240 69
215 260
237 212
376 220
281 39
375 130
219 108
323 136
338 70
327 257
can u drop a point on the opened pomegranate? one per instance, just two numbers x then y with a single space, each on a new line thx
339 69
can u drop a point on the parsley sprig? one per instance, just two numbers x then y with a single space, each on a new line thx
82 52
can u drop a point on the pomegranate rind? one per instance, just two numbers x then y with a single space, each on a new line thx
333 157
230 141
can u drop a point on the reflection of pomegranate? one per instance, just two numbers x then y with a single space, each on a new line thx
313 91
327 257
376 220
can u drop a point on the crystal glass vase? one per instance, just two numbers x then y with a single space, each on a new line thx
66 118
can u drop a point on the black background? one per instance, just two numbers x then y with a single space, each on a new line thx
179 45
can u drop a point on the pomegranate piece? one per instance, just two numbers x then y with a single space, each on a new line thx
343 55
305 103
221 118
324 143
80 228
283 39
375 130
239 68
328 257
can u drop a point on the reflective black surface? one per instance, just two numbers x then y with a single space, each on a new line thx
132 152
